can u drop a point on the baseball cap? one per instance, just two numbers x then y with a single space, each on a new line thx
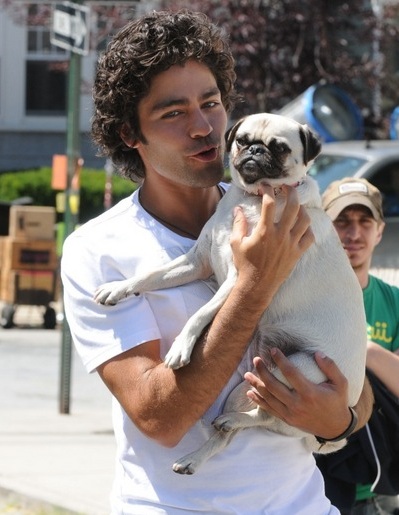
349 191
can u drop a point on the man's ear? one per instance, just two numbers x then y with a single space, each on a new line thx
126 135
381 228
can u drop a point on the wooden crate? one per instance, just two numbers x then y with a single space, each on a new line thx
21 254
1 251
28 287
32 222
1 257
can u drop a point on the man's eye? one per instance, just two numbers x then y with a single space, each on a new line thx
171 114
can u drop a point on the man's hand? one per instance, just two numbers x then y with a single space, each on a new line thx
269 253
319 409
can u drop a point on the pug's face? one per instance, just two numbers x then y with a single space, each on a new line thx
270 148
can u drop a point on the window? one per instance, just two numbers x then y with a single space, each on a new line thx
46 87
46 67
387 181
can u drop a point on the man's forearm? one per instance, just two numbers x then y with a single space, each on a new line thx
364 405
385 365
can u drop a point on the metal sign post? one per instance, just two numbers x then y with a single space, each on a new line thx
70 31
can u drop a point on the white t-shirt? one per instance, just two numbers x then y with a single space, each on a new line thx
259 472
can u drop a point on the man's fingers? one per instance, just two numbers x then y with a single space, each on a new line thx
298 381
267 391
302 229
331 371
240 225
297 219
307 406
292 207
294 218
295 378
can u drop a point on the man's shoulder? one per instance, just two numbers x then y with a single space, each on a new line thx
102 230
383 280
111 217
386 289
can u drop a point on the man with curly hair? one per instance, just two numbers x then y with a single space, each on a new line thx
163 90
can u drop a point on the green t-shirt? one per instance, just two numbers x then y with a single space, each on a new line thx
381 303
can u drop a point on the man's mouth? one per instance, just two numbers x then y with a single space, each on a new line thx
352 248
206 155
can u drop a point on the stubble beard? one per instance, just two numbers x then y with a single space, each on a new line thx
208 176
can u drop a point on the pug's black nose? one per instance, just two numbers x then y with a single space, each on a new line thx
256 150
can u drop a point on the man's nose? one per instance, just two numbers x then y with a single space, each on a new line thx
200 125
353 230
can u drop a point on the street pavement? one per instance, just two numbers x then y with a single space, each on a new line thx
57 460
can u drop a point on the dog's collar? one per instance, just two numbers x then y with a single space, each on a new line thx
294 185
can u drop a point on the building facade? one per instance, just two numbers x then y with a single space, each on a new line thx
34 87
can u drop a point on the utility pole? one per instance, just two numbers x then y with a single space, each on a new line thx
70 216
70 31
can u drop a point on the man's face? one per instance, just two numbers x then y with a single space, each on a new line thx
359 233
183 122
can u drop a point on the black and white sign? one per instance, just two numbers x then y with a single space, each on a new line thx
70 27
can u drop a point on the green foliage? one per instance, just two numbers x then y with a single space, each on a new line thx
92 186
30 183
37 185
282 47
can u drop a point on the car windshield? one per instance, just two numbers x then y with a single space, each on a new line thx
328 168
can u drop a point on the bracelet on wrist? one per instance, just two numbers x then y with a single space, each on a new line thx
343 435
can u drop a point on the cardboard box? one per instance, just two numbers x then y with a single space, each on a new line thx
1 251
1 257
32 222
20 254
27 287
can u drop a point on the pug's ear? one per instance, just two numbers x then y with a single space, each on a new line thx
311 144
126 135
230 134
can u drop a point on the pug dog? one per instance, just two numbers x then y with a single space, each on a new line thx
318 308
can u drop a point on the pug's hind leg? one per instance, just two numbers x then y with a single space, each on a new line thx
190 463
239 420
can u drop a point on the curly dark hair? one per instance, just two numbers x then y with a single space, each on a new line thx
140 51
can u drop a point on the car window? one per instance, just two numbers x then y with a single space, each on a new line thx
387 181
329 168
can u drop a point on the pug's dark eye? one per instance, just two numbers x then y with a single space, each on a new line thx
279 147
241 142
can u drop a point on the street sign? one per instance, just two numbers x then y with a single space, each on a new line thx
70 27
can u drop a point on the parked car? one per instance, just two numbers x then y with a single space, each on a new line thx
378 162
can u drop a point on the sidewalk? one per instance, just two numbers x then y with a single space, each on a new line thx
62 460
51 463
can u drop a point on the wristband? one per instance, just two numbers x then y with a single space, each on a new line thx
343 435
